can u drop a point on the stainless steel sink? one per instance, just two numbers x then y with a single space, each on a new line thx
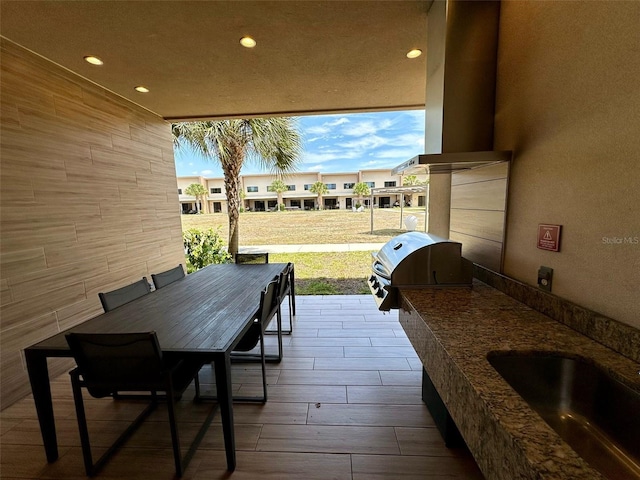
597 415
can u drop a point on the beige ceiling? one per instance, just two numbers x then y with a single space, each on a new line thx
311 56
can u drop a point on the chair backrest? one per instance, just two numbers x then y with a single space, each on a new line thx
284 283
110 362
262 257
117 298
268 308
269 301
165 278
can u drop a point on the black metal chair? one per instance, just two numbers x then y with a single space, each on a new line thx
269 308
165 278
117 298
285 290
258 257
116 362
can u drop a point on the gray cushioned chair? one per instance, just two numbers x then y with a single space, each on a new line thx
121 362
165 278
117 298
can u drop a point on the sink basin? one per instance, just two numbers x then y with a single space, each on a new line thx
597 415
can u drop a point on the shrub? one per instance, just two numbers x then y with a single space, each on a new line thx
202 248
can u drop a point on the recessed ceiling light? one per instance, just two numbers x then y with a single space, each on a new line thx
141 89
247 42
415 53
93 60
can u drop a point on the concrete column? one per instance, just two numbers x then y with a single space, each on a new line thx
439 198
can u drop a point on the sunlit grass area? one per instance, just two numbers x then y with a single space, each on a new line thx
327 273
305 227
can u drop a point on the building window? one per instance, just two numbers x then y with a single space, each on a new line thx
389 184
307 186
371 184
179 191
216 190
252 189
331 186
348 186
291 188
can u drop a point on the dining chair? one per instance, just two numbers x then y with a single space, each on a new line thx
117 298
284 290
252 258
269 308
116 362
165 278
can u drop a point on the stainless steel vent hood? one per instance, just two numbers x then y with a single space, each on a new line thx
450 162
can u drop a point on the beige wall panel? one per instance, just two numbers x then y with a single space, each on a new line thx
141 134
61 192
481 174
19 312
107 174
161 129
31 235
19 262
121 260
33 73
50 279
489 195
112 158
568 99
112 105
94 118
479 223
116 278
82 209
5 292
79 312
38 148
16 189
28 333
62 129
138 149
9 113
479 250
80 251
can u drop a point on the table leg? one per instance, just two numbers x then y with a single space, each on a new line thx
222 367
39 378
292 283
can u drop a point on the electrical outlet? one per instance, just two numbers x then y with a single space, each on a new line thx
545 277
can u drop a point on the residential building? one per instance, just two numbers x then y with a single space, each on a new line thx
258 197
89 200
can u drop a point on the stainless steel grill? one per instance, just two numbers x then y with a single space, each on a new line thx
417 260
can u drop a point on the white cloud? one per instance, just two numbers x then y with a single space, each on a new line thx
399 154
310 157
206 172
318 130
316 168
365 143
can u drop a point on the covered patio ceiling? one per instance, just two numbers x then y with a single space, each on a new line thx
310 57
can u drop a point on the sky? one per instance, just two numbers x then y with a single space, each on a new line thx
337 143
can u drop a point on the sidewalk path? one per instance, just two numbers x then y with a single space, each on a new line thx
327 247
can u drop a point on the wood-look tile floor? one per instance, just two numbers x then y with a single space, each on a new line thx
345 403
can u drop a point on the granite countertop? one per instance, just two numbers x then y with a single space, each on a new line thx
453 330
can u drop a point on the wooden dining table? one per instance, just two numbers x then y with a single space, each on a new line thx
200 317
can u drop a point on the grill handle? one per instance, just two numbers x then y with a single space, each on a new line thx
379 270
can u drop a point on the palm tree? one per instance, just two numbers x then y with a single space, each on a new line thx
412 181
279 187
274 143
319 189
361 189
198 191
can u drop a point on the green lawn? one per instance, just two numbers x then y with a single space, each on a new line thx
326 273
